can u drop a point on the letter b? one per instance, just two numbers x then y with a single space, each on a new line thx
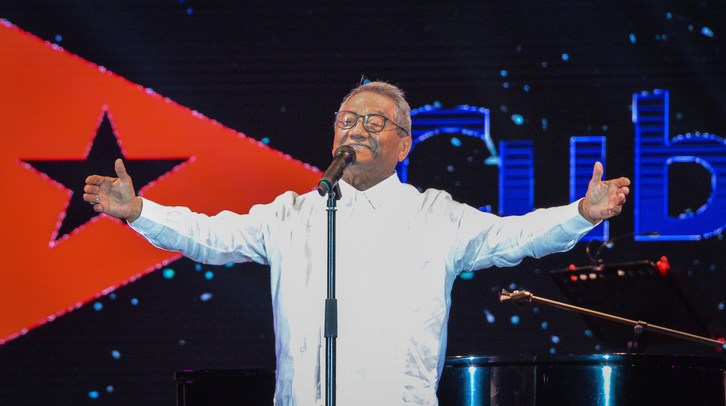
655 152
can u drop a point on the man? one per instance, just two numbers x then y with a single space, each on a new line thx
398 254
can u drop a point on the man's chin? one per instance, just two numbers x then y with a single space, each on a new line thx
363 155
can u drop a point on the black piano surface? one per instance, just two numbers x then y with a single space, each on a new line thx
607 380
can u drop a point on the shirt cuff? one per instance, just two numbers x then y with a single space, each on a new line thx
148 223
577 224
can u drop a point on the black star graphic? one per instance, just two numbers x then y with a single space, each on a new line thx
72 173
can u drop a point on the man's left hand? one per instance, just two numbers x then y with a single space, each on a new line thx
604 199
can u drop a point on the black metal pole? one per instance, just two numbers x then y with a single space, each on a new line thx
331 306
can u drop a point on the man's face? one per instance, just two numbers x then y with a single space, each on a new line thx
376 153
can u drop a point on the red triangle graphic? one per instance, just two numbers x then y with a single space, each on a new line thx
50 101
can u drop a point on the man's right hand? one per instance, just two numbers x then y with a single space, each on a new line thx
113 196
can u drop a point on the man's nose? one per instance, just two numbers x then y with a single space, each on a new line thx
359 129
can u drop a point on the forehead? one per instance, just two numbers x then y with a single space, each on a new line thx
368 102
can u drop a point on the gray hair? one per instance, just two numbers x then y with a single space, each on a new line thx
401 112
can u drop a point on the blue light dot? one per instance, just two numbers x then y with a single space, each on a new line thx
116 354
266 141
707 32
198 267
555 339
466 275
632 38
450 168
58 38
565 57
112 296
168 273
517 119
544 325
588 333
489 316
544 124
189 11
205 296
209 275
98 306
109 388
455 142
512 286
553 351
514 319
229 264
503 73
721 305
505 85
134 301
669 15
526 88
93 394
544 64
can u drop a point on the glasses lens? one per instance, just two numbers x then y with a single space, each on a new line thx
345 119
375 123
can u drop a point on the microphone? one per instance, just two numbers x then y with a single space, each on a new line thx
342 159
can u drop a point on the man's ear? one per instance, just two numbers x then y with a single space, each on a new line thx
405 148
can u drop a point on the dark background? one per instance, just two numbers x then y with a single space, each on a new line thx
277 70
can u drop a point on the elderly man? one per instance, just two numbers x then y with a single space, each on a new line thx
398 253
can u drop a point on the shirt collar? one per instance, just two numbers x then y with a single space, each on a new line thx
376 196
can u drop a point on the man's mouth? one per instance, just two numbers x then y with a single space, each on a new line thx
359 146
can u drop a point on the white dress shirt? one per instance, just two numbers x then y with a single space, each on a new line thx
397 256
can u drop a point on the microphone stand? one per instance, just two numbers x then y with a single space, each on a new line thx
639 327
343 158
331 304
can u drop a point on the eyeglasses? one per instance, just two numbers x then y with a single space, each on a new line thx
373 123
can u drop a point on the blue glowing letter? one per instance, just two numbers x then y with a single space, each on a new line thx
516 177
654 153
584 152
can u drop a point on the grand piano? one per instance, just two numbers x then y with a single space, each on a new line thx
612 379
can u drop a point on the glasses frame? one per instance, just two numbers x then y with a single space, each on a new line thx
365 121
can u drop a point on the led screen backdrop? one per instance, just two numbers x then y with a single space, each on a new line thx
93 117
221 105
